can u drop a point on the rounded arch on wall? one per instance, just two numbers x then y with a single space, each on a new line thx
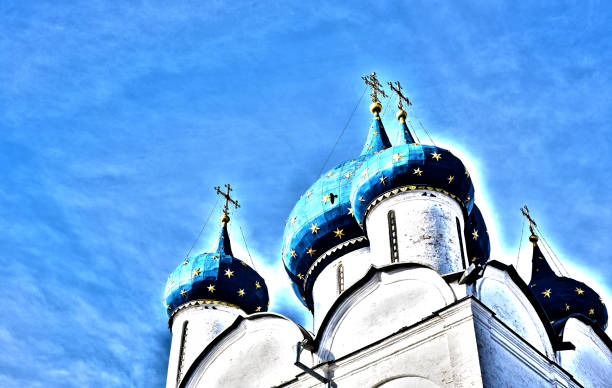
406 381
414 291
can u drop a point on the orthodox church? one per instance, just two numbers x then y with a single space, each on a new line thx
391 255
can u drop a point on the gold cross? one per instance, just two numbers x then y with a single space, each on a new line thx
228 198
376 86
397 88
525 211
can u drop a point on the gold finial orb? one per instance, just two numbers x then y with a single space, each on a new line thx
401 115
375 107
225 219
534 239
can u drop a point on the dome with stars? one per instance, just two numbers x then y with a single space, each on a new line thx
216 278
327 221
477 241
409 166
563 297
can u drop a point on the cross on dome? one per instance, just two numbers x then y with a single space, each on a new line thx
397 88
228 200
375 85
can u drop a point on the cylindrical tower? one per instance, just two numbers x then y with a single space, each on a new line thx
409 203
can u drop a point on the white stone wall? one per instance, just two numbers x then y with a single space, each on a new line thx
387 302
591 361
325 290
464 345
426 230
497 291
204 323
439 352
259 352
507 360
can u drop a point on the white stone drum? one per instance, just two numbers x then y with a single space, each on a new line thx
418 226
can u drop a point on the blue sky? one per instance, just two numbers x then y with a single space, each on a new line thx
118 118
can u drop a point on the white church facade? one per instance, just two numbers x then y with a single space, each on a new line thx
391 255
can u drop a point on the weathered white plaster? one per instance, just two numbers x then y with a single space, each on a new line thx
426 230
507 360
325 290
258 352
497 291
591 361
387 302
462 345
204 322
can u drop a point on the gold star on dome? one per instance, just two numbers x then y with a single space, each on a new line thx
310 251
468 199
241 292
326 198
579 291
417 171
299 275
475 234
474 259
375 133
229 273
293 220
350 211
257 285
370 147
547 293
167 307
383 179
361 200
450 179
329 174
467 173
197 272
348 174
183 293
258 309
314 228
436 156
339 233
186 262
211 288
293 254
592 312
533 285
243 263
567 307
397 157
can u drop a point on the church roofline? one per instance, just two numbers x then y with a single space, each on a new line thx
556 342
221 336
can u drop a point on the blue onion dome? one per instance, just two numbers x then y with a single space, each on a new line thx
216 278
477 241
410 166
321 225
562 297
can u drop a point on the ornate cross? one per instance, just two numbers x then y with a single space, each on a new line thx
376 86
397 88
525 211
228 198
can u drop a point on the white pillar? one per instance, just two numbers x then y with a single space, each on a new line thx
425 231
193 328
335 279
